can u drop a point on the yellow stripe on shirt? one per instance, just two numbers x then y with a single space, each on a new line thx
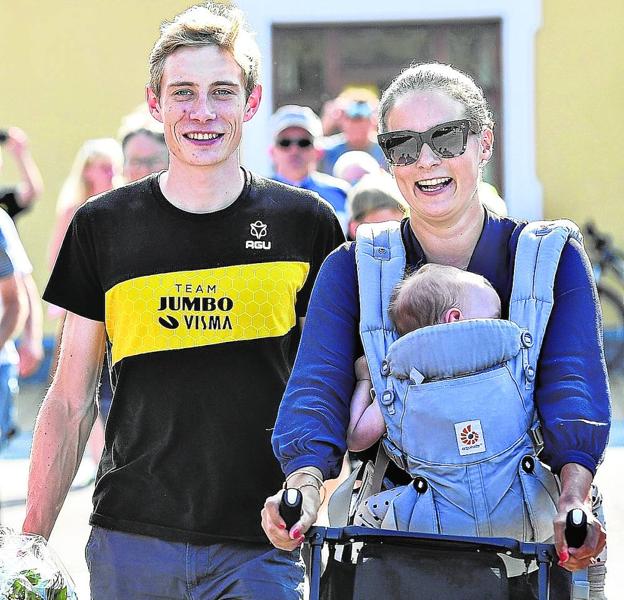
186 309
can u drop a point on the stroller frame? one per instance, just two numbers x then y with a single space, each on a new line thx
317 537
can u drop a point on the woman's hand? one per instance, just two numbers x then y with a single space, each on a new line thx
575 484
272 522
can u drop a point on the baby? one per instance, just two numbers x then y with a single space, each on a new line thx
432 295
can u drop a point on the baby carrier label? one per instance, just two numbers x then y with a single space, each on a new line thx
470 438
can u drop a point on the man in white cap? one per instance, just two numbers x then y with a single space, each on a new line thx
295 156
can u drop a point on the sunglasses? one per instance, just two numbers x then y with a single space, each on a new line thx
446 140
301 142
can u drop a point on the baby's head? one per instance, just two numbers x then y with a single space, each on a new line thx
441 294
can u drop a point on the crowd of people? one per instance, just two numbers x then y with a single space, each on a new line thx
218 339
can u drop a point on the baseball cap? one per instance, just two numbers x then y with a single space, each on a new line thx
359 109
296 116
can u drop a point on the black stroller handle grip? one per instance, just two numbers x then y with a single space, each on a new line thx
290 506
576 528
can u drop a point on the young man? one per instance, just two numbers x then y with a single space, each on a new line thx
295 155
197 280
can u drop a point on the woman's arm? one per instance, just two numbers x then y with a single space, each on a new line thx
572 391
309 438
313 417
572 398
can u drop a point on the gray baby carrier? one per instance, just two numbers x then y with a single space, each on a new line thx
458 400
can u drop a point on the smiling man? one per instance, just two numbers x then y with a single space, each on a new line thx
196 280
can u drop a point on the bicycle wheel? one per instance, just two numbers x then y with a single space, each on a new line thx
613 325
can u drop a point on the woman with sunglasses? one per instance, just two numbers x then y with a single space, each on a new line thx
437 135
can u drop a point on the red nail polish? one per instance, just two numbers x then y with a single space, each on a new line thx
564 556
281 525
296 533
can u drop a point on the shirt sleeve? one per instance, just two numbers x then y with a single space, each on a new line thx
75 283
314 414
327 237
14 246
8 202
572 392
6 266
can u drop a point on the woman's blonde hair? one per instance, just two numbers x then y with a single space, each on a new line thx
437 77
74 192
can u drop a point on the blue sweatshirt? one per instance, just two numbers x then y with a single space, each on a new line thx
572 393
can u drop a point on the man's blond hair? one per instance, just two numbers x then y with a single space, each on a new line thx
210 24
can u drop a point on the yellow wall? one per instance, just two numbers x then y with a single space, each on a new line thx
69 70
580 112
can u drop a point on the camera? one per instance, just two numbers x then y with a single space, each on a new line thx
4 136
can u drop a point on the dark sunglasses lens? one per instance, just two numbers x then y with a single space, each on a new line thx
401 150
302 143
449 140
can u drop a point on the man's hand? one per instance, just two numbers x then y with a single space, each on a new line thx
31 184
17 142
30 357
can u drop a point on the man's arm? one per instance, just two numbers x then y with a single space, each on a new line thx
64 422
13 307
31 341
31 184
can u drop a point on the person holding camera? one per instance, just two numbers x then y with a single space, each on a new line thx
15 199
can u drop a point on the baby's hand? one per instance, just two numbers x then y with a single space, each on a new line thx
361 369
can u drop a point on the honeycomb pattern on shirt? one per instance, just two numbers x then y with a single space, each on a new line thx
185 309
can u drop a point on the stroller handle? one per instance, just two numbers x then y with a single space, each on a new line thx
290 506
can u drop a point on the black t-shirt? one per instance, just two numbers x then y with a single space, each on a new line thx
201 319
8 201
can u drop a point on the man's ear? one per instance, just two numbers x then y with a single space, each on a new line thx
452 315
153 104
253 103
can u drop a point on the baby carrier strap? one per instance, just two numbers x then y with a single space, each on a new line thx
540 245
380 259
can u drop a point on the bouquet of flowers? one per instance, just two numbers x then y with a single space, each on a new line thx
29 569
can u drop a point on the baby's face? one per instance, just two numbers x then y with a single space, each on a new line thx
480 302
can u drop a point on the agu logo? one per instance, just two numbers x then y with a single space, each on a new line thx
470 439
258 230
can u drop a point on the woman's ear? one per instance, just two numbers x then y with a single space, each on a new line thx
487 143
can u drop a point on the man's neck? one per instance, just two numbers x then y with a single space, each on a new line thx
294 179
202 189
361 144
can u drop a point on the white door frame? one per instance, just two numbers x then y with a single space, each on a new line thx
520 21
